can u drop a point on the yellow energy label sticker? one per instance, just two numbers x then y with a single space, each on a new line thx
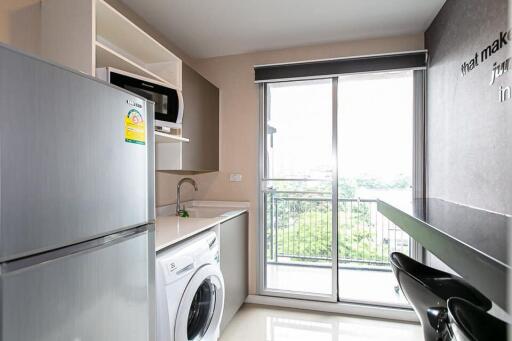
134 128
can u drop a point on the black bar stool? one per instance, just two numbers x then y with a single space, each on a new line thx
428 291
467 322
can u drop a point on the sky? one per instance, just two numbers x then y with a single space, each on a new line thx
375 114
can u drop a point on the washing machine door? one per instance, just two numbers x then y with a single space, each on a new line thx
200 310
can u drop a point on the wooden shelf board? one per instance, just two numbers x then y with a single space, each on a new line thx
161 137
120 31
105 56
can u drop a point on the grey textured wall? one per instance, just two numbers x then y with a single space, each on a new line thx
469 148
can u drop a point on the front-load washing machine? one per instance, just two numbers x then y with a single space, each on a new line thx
189 290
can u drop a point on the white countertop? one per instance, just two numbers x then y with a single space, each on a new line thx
172 229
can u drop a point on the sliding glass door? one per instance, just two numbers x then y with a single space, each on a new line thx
297 189
375 161
330 148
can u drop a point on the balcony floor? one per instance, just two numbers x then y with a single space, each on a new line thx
370 286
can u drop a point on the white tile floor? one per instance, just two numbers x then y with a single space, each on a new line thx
358 285
260 323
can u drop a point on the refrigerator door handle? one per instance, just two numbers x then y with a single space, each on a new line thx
30 261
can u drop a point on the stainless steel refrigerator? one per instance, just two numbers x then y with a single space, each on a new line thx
76 206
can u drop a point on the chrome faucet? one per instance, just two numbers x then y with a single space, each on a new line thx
178 192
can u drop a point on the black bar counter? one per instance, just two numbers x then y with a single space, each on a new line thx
471 241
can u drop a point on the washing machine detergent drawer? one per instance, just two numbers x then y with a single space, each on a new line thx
175 268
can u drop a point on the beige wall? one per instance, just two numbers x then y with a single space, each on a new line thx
240 114
20 24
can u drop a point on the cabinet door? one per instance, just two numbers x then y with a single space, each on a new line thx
200 123
233 264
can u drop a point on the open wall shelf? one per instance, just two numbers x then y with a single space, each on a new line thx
161 137
122 44
108 57
89 34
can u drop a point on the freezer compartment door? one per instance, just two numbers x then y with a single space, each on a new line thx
101 294
71 166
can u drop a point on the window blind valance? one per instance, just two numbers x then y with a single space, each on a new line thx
332 67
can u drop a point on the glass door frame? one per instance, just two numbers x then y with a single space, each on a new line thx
419 187
262 179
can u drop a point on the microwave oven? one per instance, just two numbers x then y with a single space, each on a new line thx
168 100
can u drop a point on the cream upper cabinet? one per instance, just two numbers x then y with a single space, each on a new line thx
90 34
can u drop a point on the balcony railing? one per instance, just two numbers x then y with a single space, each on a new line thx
299 231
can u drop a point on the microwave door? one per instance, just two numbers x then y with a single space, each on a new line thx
168 101
159 99
142 92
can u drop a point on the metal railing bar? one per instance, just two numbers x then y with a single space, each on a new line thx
296 192
298 179
342 265
301 231
321 199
